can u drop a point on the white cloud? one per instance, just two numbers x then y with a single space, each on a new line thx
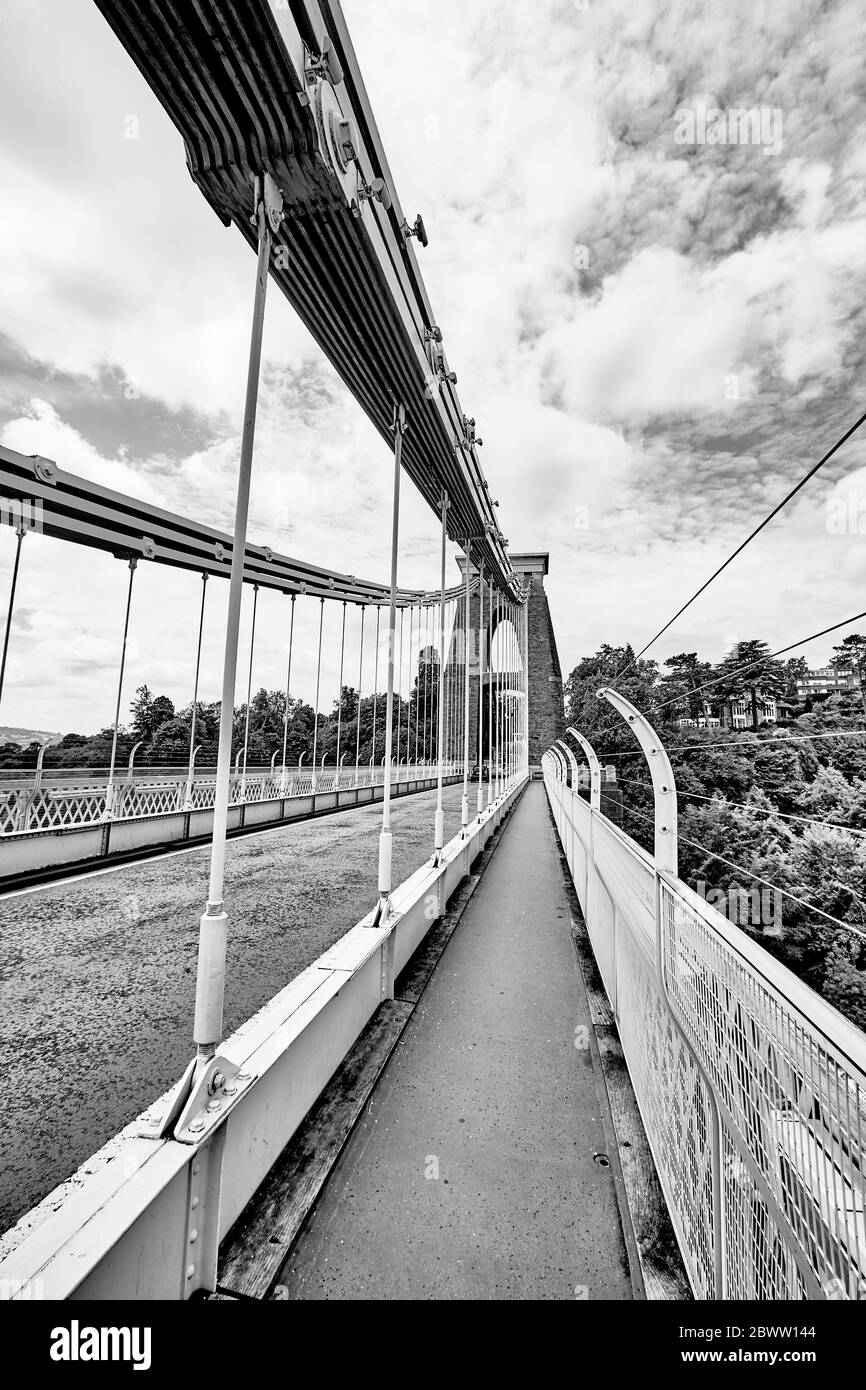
521 131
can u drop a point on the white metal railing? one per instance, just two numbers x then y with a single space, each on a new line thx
50 805
751 1088
120 1227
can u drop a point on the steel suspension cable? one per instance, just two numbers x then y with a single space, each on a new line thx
340 698
109 791
771 811
249 693
741 743
360 688
756 532
409 694
375 698
20 531
318 688
288 695
439 825
490 690
741 869
481 655
193 720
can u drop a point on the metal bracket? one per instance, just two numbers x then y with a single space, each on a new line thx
45 469
417 229
469 440
266 192
377 189
323 65
200 1103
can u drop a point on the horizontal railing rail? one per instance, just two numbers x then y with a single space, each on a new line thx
49 806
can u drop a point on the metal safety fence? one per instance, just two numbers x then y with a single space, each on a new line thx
751 1088
69 803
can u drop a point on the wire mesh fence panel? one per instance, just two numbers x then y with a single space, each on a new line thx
751 1088
792 1097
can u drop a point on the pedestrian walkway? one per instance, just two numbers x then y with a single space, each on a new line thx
479 1168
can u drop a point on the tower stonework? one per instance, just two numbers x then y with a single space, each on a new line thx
546 702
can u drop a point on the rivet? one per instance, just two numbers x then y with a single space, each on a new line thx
190 1271
193 1237
194 1203
196 1165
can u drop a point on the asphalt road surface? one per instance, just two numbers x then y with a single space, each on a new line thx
97 977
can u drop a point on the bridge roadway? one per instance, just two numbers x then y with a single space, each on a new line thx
97 974
473 1171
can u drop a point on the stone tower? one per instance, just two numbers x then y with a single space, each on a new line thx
546 707
546 703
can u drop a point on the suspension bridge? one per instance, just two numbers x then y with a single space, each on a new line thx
540 1065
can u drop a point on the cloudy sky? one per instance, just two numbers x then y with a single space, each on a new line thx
656 337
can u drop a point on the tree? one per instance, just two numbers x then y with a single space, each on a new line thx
850 657
686 675
796 669
748 669
140 707
593 717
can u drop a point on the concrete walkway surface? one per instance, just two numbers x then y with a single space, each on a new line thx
474 1171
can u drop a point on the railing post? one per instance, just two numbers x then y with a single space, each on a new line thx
662 774
187 805
572 760
207 1074
594 768
126 790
